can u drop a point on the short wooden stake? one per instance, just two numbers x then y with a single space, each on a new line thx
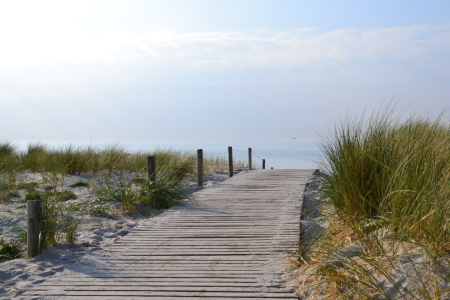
151 168
250 158
230 161
34 221
264 164
199 167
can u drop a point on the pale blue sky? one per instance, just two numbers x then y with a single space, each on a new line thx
192 69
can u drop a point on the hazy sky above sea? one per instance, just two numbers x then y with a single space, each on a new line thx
205 68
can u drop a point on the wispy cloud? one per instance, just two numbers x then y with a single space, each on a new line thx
299 47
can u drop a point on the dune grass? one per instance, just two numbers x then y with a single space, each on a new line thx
74 159
391 173
219 164
388 186
9 250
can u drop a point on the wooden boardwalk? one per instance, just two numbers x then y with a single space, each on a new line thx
229 244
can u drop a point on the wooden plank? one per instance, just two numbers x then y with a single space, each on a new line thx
75 281
155 288
50 284
206 294
119 297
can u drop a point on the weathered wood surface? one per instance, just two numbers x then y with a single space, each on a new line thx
230 244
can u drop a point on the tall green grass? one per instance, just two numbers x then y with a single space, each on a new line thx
387 181
50 222
9 250
219 164
163 191
394 174
9 160
74 159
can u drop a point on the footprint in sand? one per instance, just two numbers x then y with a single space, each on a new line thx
46 274
58 269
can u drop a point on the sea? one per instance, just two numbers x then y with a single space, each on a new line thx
279 153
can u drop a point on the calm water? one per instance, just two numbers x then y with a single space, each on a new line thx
279 153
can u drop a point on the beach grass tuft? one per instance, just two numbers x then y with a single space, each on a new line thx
79 184
9 158
7 149
384 173
9 250
70 226
50 220
387 185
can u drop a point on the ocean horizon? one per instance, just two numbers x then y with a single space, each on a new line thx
279 153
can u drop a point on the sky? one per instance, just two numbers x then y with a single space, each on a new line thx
215 69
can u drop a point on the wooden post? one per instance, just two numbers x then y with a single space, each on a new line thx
230 161
199 167
34 216
249 159
151 168
264 164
